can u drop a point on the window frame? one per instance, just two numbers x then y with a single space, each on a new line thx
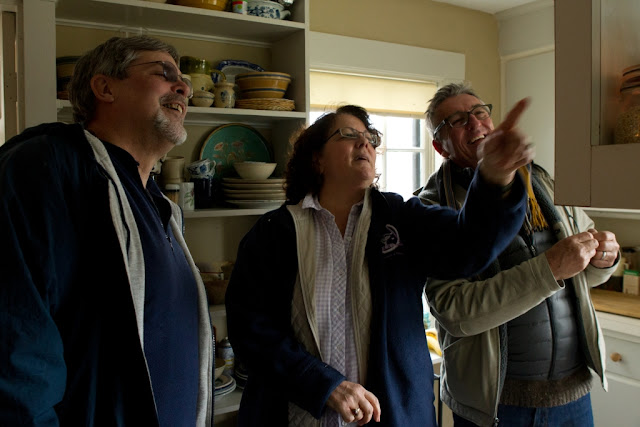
342 54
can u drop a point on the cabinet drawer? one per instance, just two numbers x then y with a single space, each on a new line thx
628 364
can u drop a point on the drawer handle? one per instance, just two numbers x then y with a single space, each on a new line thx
616 357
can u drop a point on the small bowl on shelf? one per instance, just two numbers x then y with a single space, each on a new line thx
254 170
202 98
263 84
220 364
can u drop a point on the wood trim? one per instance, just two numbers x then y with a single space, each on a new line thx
573 61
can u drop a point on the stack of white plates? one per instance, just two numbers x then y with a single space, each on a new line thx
254 193
224 385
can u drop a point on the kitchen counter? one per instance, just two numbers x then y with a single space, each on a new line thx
616 303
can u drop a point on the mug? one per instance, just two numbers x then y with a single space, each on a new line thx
186 198
239 6
172 170
202 168
203 192
225 96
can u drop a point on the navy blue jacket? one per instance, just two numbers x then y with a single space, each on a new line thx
70 353
434 242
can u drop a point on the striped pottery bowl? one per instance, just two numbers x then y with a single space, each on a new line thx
263 84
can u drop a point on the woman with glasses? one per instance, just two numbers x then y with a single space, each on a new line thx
324 304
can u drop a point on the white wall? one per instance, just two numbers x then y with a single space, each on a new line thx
526 45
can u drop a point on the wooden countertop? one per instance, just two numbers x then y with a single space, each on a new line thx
616 303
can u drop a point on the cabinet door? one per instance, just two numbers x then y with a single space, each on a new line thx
593 44
619 406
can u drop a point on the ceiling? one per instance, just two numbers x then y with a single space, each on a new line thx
489 6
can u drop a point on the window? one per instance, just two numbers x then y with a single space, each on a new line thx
405 158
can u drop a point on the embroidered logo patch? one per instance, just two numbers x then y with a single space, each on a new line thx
391 240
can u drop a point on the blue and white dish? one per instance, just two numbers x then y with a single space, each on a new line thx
267 9
232 67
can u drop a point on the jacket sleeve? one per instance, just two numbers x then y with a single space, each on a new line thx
453 244
35 232
258 302
465 308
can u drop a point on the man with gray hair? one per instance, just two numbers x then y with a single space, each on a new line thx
103 315
519 339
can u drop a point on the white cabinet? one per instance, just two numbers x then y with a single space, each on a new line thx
620 406
594 41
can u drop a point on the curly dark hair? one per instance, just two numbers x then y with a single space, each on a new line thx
301 174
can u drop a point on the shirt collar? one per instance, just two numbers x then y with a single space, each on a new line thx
311 202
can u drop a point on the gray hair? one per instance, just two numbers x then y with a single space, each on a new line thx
111 59
445 92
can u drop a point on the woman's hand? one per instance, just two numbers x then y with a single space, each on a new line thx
354 403
502 152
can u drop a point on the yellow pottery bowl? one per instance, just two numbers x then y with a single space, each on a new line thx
204 4
263 84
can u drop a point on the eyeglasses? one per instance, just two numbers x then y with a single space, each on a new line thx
461 118
170 73
351 133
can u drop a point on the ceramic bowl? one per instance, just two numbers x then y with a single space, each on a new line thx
202 98
193 65
219 367
265 84
267 9
204 4
254 170
201 81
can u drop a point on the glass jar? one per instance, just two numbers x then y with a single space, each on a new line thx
628 125
172 191
627 128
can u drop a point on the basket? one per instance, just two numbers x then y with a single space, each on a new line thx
216 290
279 104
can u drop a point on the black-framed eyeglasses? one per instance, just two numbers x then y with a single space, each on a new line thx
352 133
170 73
461 118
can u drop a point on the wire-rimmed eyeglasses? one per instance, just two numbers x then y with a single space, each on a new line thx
461 118
351 133
170 73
